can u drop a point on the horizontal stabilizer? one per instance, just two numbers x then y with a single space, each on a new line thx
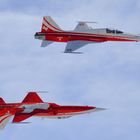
32 97
4 120
46 43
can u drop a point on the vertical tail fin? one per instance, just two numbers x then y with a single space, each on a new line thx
2 101
49 25
32 97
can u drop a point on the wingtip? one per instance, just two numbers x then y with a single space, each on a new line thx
72 52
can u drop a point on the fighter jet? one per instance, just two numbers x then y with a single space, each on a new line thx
80 36
33 105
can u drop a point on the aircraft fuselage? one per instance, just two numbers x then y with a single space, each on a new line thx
52 110
85 36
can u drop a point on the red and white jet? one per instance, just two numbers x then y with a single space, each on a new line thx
80 36
32 105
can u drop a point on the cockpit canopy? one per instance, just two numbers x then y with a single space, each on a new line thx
113 31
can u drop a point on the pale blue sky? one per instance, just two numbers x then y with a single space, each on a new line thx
106 75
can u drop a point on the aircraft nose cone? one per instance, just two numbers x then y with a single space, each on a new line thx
95 109
99 109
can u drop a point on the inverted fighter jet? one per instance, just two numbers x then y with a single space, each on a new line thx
80 36
32 105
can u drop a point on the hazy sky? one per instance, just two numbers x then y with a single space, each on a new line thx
106 75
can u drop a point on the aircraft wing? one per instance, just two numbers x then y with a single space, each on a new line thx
4 119
81 26
74 45
31 97
19 117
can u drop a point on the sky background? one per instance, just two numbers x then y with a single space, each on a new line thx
107 75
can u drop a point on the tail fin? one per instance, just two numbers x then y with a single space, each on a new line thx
2 101
49 25
32 97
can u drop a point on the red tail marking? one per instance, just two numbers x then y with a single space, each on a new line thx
51 25
48 27
2 101
32 97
